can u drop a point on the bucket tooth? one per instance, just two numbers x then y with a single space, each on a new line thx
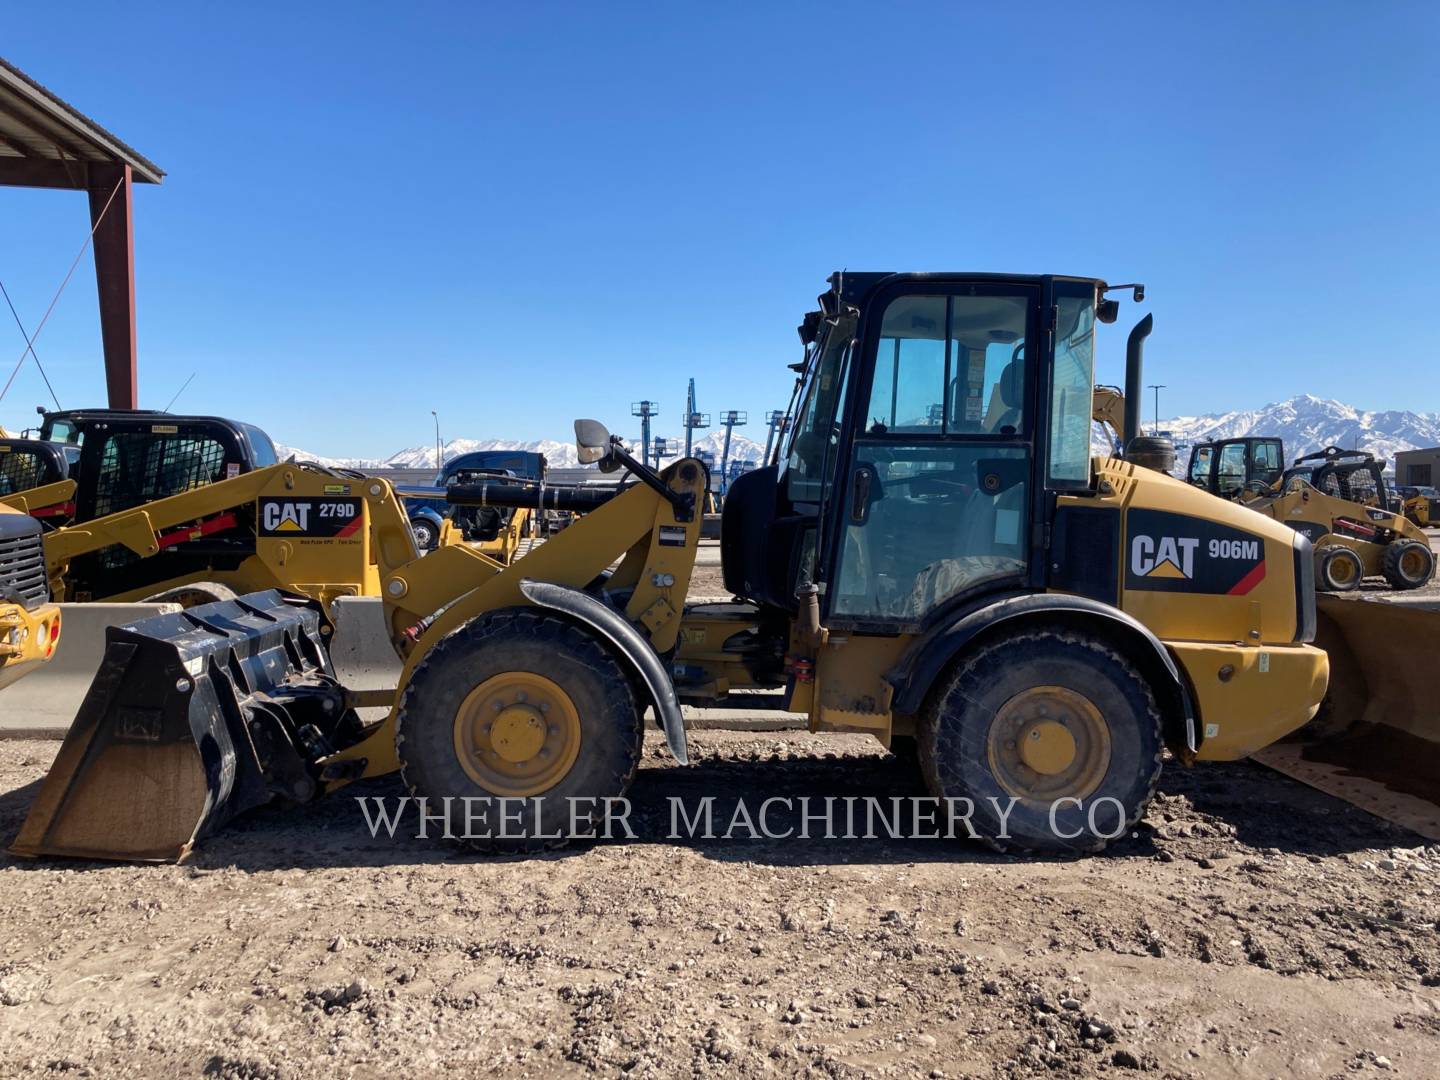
193 718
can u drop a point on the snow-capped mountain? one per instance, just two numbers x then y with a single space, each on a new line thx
1306 423
559 455
1309 423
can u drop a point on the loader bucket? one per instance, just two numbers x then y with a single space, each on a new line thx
1376 740
193 718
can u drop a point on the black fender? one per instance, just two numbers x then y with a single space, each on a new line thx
932 653
628 643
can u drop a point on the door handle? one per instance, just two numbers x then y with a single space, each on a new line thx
860 494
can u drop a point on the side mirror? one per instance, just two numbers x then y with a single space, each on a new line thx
592 441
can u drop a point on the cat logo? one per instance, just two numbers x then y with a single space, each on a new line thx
1177 553
279 517
1166 557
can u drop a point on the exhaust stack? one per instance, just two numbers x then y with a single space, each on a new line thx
1135 377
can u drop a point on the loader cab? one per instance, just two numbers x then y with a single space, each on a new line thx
33 463
1230 468
936 420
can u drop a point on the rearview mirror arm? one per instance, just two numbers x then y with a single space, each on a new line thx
682 501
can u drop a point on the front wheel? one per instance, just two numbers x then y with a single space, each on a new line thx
521 730
1050 738
425 534
1338 569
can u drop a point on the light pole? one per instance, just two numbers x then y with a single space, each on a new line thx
439 462
1157 387
645 410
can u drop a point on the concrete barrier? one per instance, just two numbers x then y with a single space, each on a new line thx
42 705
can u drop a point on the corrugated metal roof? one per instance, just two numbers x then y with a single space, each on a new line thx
46 142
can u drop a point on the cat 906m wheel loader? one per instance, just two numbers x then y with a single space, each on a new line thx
934 554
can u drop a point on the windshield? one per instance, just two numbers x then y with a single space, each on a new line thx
810 455
61 431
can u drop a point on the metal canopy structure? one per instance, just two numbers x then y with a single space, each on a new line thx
45 143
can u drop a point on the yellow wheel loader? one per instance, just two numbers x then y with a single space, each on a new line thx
29 623
934 554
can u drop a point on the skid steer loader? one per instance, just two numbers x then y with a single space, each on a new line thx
29 623
1045 624
192 509
1339 499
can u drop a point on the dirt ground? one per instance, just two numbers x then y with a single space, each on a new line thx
1251 927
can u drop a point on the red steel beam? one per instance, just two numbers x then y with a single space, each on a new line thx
114 243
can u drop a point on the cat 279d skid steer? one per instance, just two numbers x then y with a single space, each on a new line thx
934 554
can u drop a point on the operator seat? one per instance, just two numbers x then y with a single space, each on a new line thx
1010 389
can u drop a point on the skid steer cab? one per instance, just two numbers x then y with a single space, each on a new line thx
934 558
40 472
192 509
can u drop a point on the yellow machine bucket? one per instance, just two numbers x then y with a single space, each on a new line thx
193 718
1376 742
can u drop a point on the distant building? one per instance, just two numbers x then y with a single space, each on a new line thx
1419 468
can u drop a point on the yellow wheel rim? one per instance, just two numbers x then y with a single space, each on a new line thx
1412 564
1342 571
1048 742
517 734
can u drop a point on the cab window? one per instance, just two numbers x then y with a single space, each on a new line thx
1232 469
1200 466
950 365
1267 466
1072 392
811 456
140 467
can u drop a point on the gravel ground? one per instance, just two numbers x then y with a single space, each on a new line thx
1251 927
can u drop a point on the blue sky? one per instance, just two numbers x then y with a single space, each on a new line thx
521 213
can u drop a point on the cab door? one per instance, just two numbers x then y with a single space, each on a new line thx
939 499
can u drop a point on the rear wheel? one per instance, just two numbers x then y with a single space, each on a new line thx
1407 564
1338 569
1052 736
521 707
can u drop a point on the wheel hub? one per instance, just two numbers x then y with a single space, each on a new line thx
1047 747
517 734
1049 742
